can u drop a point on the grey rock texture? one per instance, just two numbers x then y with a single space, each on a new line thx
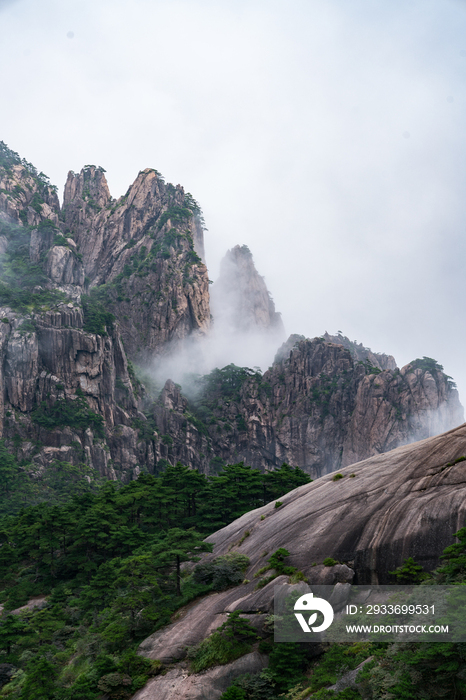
359 352
26 199
320 409
321 405
407 502
240 298
143 246
209 685
199 620
51 363
141 252
63 267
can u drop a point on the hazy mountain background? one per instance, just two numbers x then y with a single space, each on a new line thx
327 136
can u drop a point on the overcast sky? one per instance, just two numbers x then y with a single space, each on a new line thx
327 135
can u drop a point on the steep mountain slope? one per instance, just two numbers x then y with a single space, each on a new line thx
144 247
66 391
240 298
319 408
408 502
87 288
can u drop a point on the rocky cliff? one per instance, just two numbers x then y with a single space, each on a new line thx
240 299
405 503
83 288
320 408
144 247
88 288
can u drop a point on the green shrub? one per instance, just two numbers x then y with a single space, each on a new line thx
337 477
97 319
264 581
222 572
258 686
246 534
276 562
328 561
287 663
454 556
27 326
177 215
72 412
233 693
59 239
456 461
232 639
278 504
409 572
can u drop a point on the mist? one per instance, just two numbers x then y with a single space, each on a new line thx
245 328
327 136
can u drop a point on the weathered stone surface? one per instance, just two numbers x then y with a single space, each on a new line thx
197 621
144 248
240 299
319 408
146 245
403 503
63 267
23 197
361 353
52 362
209 685
385 509
321 405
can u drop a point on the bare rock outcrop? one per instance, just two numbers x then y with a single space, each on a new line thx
321 405
58 343
319 408
406 503
360 352
52 359
64 267
209 685
145 247
240 300
26 196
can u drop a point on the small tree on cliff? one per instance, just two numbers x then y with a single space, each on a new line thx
177 547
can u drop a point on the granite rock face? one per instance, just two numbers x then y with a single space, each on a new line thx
362 354
140 252
145 248
320 408
240 299
26 197
406 503
323 403
209 685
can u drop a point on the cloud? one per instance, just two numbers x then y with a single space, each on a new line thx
288 123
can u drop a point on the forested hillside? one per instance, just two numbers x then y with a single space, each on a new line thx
104 571
112 475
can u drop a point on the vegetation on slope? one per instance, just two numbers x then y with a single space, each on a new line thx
23 283
397 671
109 562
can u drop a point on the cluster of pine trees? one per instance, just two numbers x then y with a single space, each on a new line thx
109 563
